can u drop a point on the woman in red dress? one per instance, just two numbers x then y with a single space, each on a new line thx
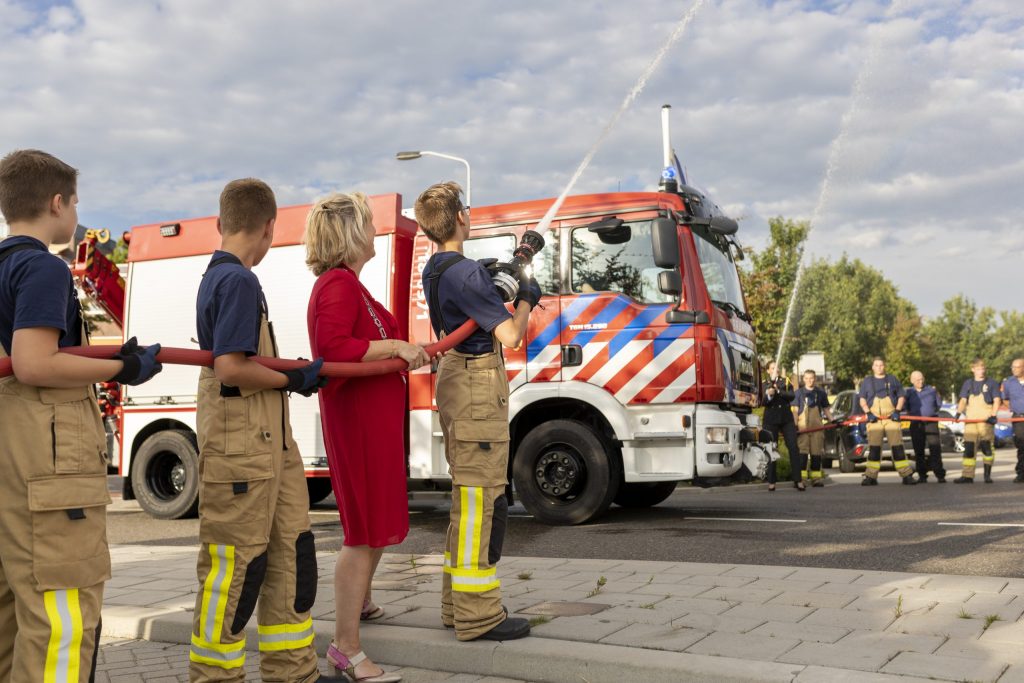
363 418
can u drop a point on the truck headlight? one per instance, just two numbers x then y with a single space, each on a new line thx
716 435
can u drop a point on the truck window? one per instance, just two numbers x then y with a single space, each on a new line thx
545 264
491 246
719 271
627 268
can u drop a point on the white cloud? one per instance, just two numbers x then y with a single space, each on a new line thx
160 103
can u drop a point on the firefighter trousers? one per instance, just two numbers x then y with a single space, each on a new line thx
890 430
255 543
53 556
472 400
812 444
978 437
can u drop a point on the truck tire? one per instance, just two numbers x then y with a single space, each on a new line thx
565 473
644 494
165 475
319 488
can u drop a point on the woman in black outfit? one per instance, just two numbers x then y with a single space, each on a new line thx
778 417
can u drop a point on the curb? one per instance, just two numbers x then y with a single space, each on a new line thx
536 659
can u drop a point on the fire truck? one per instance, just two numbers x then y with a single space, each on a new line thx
639 369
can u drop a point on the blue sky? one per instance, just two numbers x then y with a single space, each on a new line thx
160 104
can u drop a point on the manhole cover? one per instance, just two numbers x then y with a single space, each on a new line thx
565 609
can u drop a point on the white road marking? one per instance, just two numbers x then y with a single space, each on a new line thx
975 524
750 519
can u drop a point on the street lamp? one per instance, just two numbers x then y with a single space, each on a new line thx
409 156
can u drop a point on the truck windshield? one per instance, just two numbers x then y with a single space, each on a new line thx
720 274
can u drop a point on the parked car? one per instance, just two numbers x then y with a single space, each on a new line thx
847 447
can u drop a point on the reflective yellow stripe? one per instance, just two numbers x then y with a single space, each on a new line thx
64 651
475 580
478 525
215 591
229 656
471 517
816 474
969 462
276 637
874 465
464 522
484 573
447 563
900 464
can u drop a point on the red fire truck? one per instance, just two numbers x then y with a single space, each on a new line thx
639 370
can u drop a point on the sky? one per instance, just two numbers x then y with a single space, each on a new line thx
160 103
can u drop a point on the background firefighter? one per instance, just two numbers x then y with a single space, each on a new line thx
811 405
979 400
881 398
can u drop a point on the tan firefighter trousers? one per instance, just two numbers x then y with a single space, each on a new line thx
811 445
472 400
882 408
255 535
978 436
53 526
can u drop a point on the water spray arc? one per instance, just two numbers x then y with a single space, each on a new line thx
637 88
835 156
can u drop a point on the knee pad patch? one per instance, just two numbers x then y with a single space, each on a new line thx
254 575
305 572
498 524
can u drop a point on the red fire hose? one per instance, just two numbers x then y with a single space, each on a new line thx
912 418
205 358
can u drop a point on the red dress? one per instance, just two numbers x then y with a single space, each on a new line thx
363 418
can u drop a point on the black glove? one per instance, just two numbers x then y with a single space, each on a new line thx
957 416
305 380
529 291
872 417
895 416
991 420
140 363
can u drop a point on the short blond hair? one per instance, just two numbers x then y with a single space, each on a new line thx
246 205
336 231
437 210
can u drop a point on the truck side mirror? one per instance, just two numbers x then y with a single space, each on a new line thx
665 242
723 225
670 282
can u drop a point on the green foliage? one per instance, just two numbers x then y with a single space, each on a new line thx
120 253
768 279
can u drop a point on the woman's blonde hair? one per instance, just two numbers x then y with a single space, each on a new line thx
336 231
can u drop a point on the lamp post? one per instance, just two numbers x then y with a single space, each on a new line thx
409 156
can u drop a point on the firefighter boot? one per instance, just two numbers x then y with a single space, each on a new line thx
967 477
909 480
988 474
872 467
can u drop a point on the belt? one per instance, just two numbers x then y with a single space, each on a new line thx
479 361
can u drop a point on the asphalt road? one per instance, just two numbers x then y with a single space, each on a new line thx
923 528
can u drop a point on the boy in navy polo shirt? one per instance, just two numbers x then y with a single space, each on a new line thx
472 402
53 492
253 504
1013 393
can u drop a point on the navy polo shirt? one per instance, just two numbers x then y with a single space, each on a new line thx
879 387
924 403
228 308
1013 392
37 290
810 398
988 389
465 292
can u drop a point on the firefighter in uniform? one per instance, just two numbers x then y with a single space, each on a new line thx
53 492
472 402
881 398
979 400
923 400
253 504
778 418
1012 390
810 403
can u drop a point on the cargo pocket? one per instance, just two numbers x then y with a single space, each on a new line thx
488 394
305 572
69 531
71 427
234 499
480 452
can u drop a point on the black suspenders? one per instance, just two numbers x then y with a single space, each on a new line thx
441 328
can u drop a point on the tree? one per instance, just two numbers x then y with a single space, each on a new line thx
959 334
768 279
120 253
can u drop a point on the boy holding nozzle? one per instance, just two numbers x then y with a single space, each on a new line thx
472 400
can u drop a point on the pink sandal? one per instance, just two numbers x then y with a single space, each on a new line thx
368 614
347 665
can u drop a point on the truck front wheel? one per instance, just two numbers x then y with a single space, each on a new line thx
319 488
165 475
565 473
644 494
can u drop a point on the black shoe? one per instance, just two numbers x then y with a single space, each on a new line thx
512 628
1019 479
963 480
922 479
340 678
941 480
988 474
909 480
868 481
